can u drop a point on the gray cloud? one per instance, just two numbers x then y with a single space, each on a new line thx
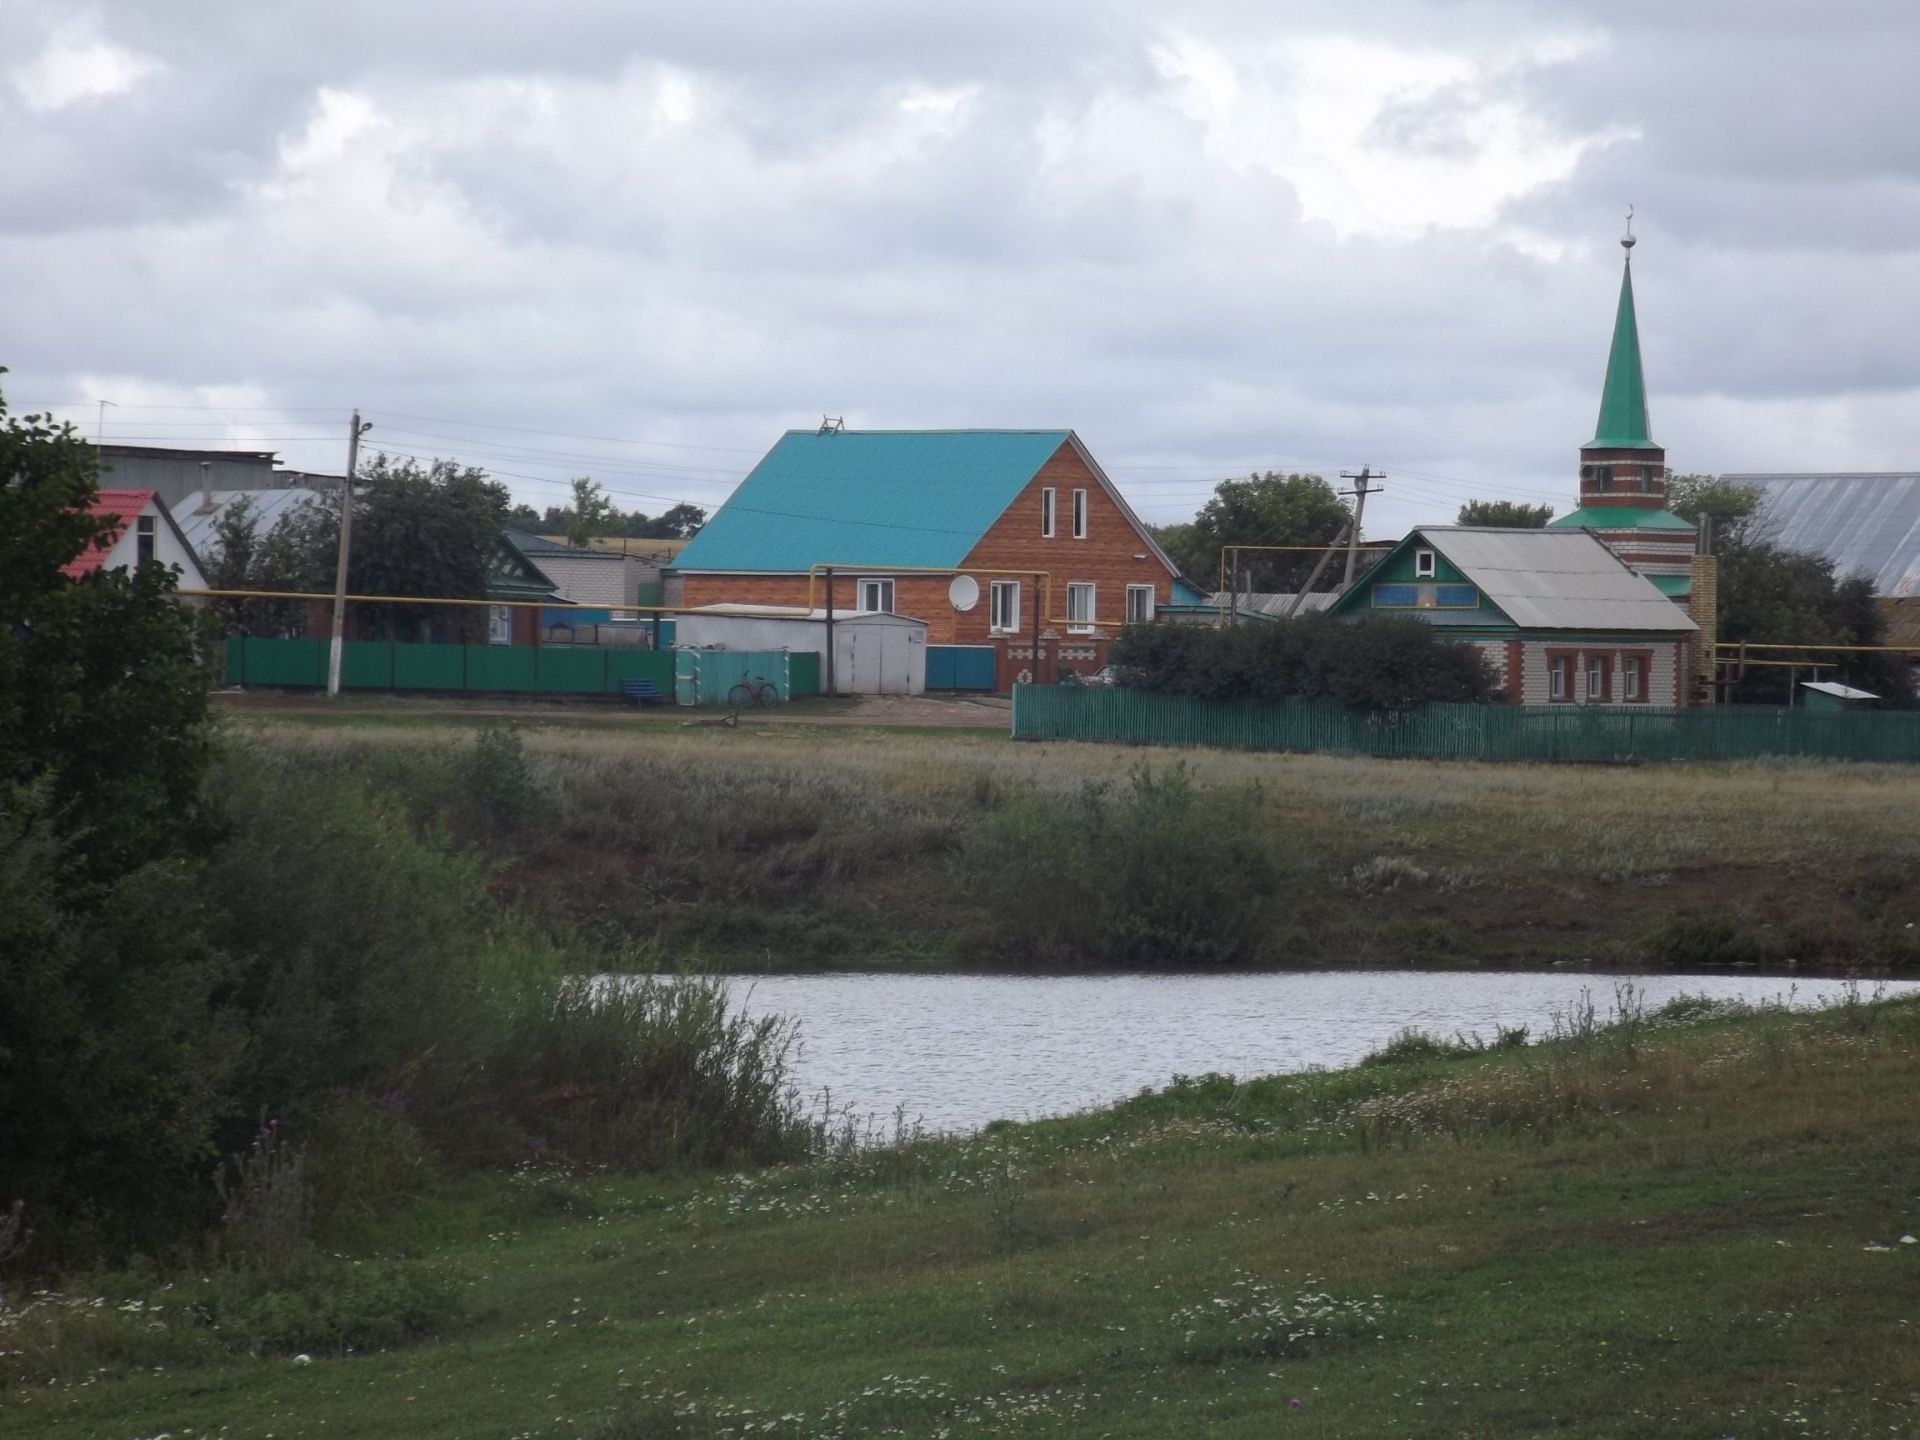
699 224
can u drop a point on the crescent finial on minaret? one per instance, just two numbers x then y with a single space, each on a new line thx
1627 241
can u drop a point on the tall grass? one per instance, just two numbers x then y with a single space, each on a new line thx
645 1072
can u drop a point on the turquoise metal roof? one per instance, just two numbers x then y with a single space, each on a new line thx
1621 517
870 498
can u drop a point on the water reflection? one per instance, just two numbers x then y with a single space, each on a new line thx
961 1050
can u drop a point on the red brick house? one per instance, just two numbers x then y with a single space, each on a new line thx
1005 541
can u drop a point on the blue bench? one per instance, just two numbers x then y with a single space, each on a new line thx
642 691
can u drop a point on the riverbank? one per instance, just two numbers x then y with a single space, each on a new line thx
1687 1223
833 846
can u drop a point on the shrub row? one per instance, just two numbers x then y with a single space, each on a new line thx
1378 662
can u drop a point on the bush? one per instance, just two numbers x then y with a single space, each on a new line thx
1709 938
648 1072
1160 873
1378 662
332 1306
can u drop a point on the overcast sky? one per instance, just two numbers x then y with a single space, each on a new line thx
639 241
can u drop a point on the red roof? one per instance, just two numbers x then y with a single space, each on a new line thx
118 505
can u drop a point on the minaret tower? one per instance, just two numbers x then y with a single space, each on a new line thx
1623 473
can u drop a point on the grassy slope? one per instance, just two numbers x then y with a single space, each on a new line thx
1662 1232
809 845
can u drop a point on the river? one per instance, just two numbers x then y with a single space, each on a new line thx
956 1051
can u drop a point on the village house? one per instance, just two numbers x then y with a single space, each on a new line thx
1012 545
1559 617
143 530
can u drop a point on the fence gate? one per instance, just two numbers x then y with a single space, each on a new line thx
960 667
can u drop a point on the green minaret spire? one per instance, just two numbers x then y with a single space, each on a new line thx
1623 402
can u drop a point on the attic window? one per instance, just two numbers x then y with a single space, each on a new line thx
1423 564
143 539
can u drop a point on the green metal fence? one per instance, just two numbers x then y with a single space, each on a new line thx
1463 732
384 665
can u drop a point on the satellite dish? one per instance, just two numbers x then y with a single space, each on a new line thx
964 592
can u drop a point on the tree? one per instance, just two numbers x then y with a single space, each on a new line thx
432 533
1772 595
111 1039
1732 508
593 513
1506 514
682 522
241 558
1269 509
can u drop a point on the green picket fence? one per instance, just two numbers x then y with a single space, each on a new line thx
1462 732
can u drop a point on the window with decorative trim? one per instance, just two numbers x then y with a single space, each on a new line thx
1560 678
1597 688
1046 513
1080 605
1633 679
1004 607
1079 514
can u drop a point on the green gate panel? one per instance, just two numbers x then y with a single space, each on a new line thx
805 669
280 662
562 671
501 667
429 667
960 667
366 665
654 665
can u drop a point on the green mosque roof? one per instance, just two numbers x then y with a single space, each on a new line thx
1623 400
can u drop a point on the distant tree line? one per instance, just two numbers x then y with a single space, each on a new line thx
593 514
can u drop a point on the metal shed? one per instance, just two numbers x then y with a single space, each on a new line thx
874 653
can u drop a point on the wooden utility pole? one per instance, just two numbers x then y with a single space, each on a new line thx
1293 606
1233 588
354 431
1359 493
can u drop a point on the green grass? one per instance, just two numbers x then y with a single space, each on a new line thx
826 846
1688 1224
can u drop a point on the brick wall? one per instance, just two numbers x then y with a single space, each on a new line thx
1665 674
1704 606
1106 558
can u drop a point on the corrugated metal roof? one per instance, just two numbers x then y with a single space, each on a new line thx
197 519
870 498
1865 523
1837 690
1556 580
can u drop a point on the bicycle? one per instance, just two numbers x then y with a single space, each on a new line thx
752 693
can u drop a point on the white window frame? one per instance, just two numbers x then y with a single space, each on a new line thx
1083 624
1633 677
1046 513
1559 678
1145 616
146 539
1010 590
885 583
1423 565
1597 665
1079 514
